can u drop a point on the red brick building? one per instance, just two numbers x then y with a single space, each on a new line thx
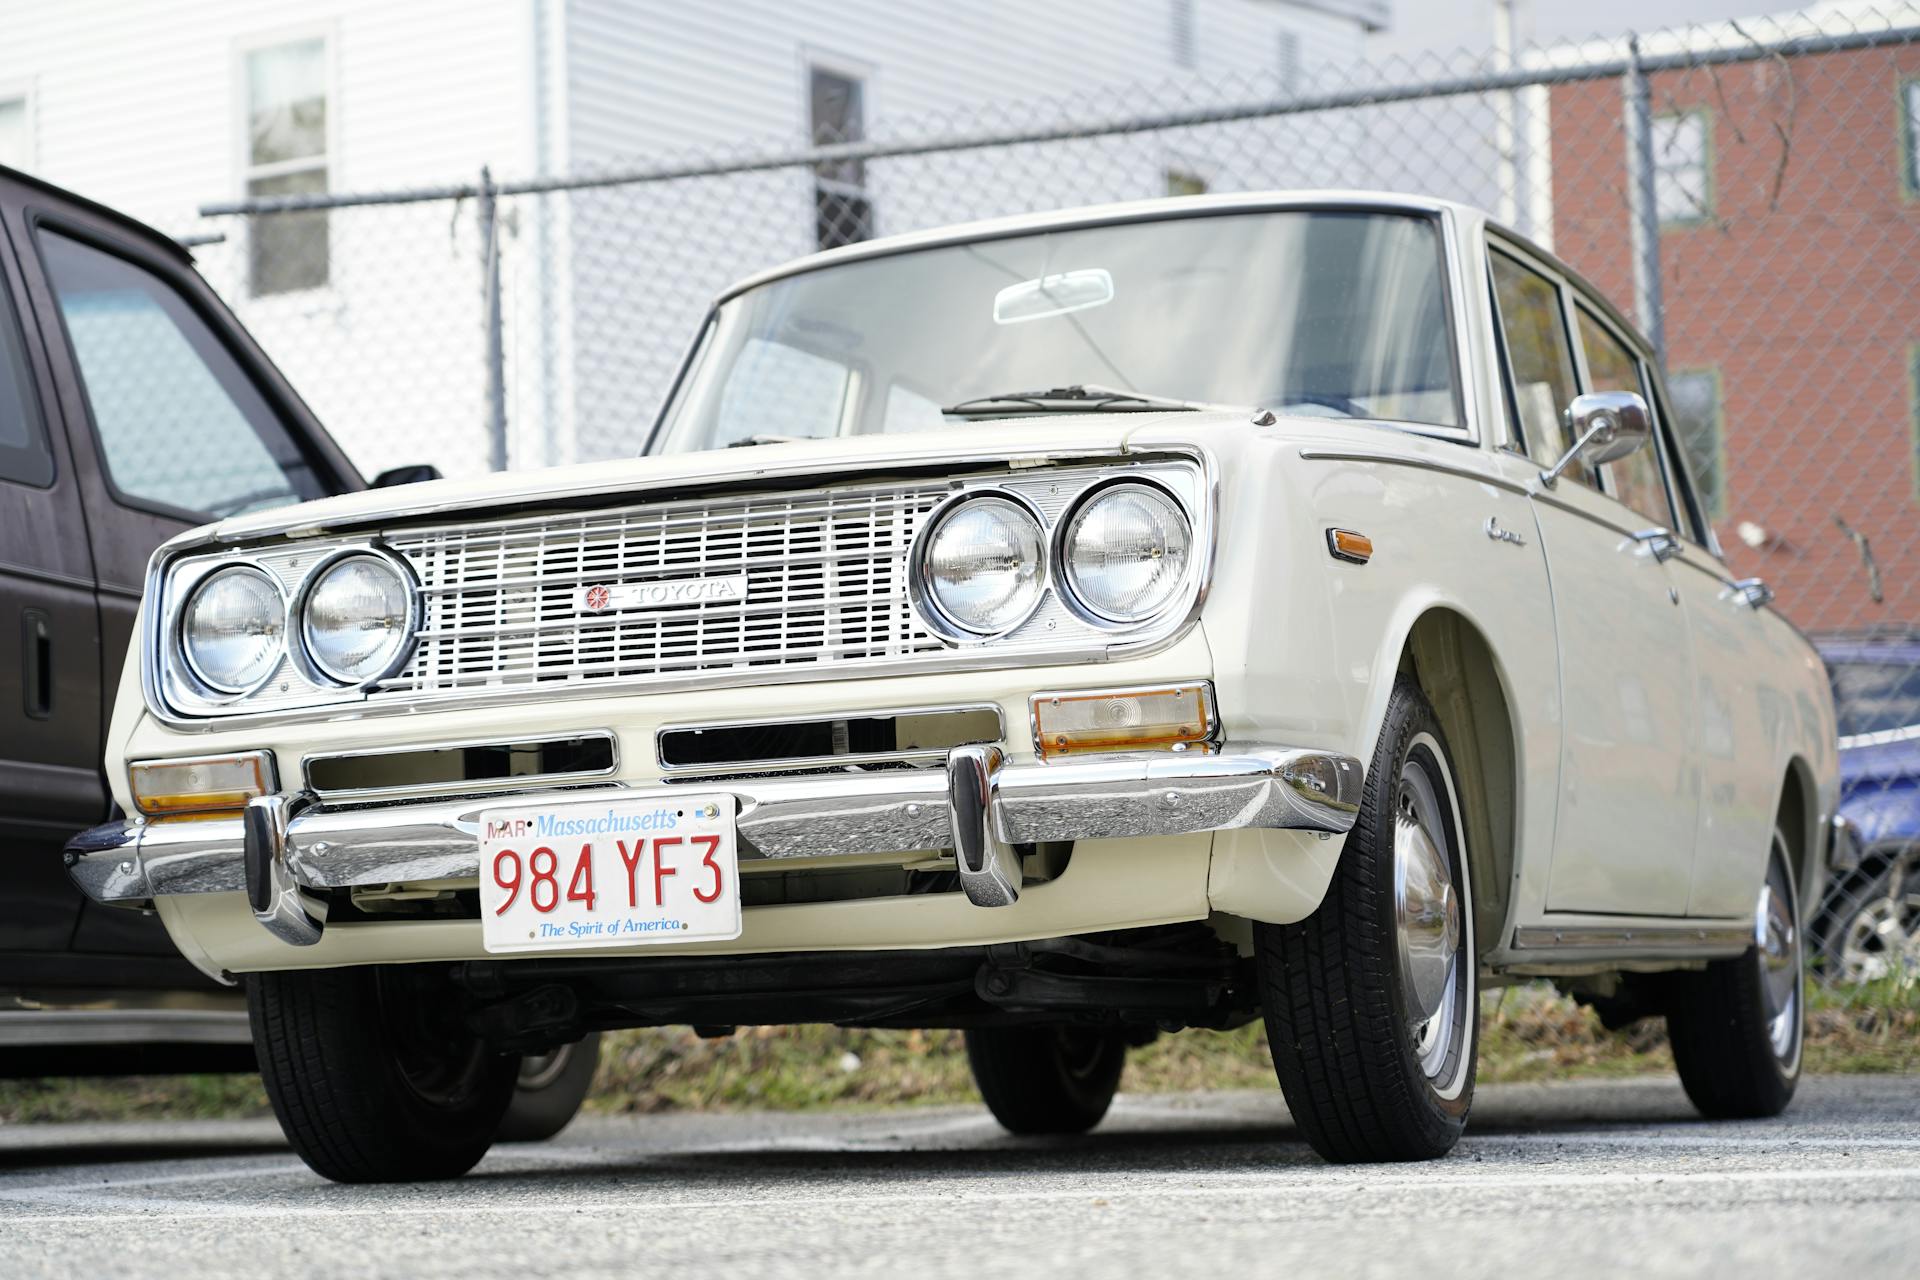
1789 191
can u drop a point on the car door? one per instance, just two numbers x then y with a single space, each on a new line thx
172 419
50 721
1627 805
1741 717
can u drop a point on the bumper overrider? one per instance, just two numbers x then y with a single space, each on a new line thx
286 847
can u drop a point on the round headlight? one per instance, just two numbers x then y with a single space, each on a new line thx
1125 552
355 619
983 566
233 629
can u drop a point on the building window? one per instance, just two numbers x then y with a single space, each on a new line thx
1287 62
1913 410
1910 136
1697 425
16 139
286 155
1185 182
1682 172
1185 43
842 208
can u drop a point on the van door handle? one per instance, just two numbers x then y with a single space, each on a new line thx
36 659
1753 592
1660 542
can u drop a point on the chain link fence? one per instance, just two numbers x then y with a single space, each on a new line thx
1750 192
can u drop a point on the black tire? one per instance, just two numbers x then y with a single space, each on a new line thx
372 1074
548 1091
1046 1079
1372 1068
1737 1051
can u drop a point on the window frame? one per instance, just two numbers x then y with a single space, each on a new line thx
241 113
1586 301
1707 212
324 466
39 443
1709 512
1516 428
1913 412
812 61
1906 105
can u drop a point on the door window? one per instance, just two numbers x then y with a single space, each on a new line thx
1540 357
1612 366
179 422
23 441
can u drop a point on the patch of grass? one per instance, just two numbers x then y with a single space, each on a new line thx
67 1100
1529 1033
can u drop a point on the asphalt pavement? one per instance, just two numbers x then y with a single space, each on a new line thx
1569 1179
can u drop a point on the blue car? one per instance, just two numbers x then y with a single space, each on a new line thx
1869 922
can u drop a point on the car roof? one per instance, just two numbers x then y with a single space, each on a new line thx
160 240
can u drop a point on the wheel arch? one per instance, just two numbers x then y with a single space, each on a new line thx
1455 665
1799 817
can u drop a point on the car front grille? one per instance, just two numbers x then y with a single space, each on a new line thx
825 573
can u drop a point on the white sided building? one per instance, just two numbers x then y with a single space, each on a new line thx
376 312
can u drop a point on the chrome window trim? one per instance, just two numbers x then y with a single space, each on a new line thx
287 523
467 784
176 622
299 646
920 595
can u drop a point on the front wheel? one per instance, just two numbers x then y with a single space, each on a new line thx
1737 1026
373 1075
1372 1002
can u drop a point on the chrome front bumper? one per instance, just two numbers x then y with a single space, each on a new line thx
978 805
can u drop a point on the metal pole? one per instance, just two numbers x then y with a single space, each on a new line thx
490 299
1642 203
1506 152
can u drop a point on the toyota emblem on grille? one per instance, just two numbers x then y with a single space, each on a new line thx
662 593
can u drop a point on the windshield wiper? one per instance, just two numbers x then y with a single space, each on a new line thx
1081 397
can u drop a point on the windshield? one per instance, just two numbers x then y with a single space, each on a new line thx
1874 697
1332 314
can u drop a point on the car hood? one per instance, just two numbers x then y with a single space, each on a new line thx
1034 439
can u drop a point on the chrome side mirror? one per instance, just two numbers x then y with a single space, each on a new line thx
1606 426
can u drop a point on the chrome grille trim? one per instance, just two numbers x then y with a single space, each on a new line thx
500 625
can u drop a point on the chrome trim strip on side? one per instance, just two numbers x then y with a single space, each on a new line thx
337 794
1634 939
1315 453
901 811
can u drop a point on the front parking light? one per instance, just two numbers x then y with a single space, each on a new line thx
1169 717
200 785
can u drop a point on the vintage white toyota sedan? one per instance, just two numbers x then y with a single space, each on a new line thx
1068 629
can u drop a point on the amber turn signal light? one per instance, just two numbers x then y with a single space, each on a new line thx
1345 544
1122 719
200 784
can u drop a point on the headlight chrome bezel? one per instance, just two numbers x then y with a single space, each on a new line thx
300 645
1053 569
1070 591
183 610
920 590
185 689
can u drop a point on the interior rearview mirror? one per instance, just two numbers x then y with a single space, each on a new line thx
1605 426
412 473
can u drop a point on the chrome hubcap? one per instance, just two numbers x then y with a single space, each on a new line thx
1427 914
1776 926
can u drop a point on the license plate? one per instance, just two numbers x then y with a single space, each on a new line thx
557 877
